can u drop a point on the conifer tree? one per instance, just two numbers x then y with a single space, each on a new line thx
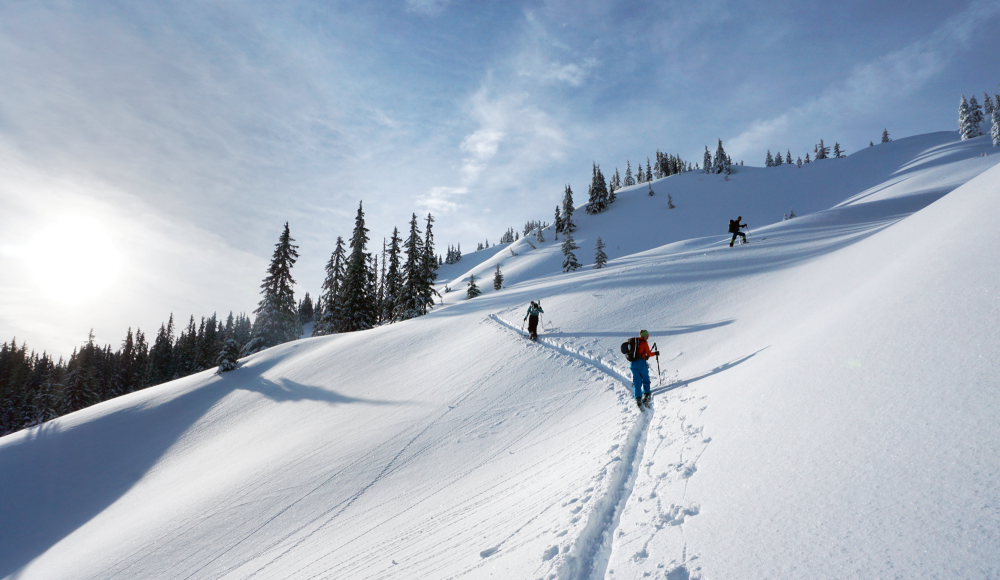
799 162
473 290
768 161
567 210
392 285
975 118
229 356
885 136
649 172
600 258
838 153
807 157
964 127
410 304
629 180
777 159
497 279
617 179
331 315
721 160
358 302
788 156
306 310
427 291
670 202
558 224
822 151
570 262
995 132
987 105
277 320
707 160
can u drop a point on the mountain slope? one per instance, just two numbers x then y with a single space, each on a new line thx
826 408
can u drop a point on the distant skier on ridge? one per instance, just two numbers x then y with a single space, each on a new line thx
532 317
639 353
734 228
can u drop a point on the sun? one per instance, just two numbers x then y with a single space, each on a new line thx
74 259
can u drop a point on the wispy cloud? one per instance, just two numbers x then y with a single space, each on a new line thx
893 77
428 7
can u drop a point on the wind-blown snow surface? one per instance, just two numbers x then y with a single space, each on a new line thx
828 407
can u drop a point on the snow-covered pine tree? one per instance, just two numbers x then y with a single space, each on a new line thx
539 235
429 271
567 210
799 162
617 179
975 118
649 172
670 202
473 290
838 153
807 157
358 302
719 162
822 151
598 193
409 305
331 314
964 127
570 262
706 161
600 258
229 356
651 192
611 192
768 161
995 132
791 213
277 320
558 223
885 136
987 105
777 159
498 279
629 180
393 283
306 310
788 156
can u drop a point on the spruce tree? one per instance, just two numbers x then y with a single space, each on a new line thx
629 180
229 356
429 271
995 132
788 156
885 136
987 105
331 315
670 202
306 310
807 158
567 210
964 127
558 224
570 262
473 290
838 153
721 159
392 284
777 159
409 304
822 151
358 303
975 118
600 258
649 172
497 279
277 320
707 160
768 161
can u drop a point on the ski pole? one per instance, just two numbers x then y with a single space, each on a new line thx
659 378
522 325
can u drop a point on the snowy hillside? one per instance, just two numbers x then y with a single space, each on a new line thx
827 407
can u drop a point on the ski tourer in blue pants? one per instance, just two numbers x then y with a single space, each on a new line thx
640 378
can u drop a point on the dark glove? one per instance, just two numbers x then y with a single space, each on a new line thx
656 353
525 318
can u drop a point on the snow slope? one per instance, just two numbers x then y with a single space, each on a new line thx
827 408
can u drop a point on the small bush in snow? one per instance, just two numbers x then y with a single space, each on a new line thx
228 357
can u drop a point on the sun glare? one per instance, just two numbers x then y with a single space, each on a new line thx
74 259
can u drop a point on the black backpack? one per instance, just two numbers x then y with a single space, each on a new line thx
734 226
628 349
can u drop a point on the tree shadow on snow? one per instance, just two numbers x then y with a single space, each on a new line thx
57 477
715 371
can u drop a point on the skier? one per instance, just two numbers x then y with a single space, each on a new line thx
640 369
734 228
532 318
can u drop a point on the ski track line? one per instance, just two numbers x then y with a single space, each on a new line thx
592 550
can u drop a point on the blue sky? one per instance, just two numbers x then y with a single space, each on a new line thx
153 151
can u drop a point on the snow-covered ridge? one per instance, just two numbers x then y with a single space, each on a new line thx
827 408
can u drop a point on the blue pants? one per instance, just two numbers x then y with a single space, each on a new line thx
640 378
